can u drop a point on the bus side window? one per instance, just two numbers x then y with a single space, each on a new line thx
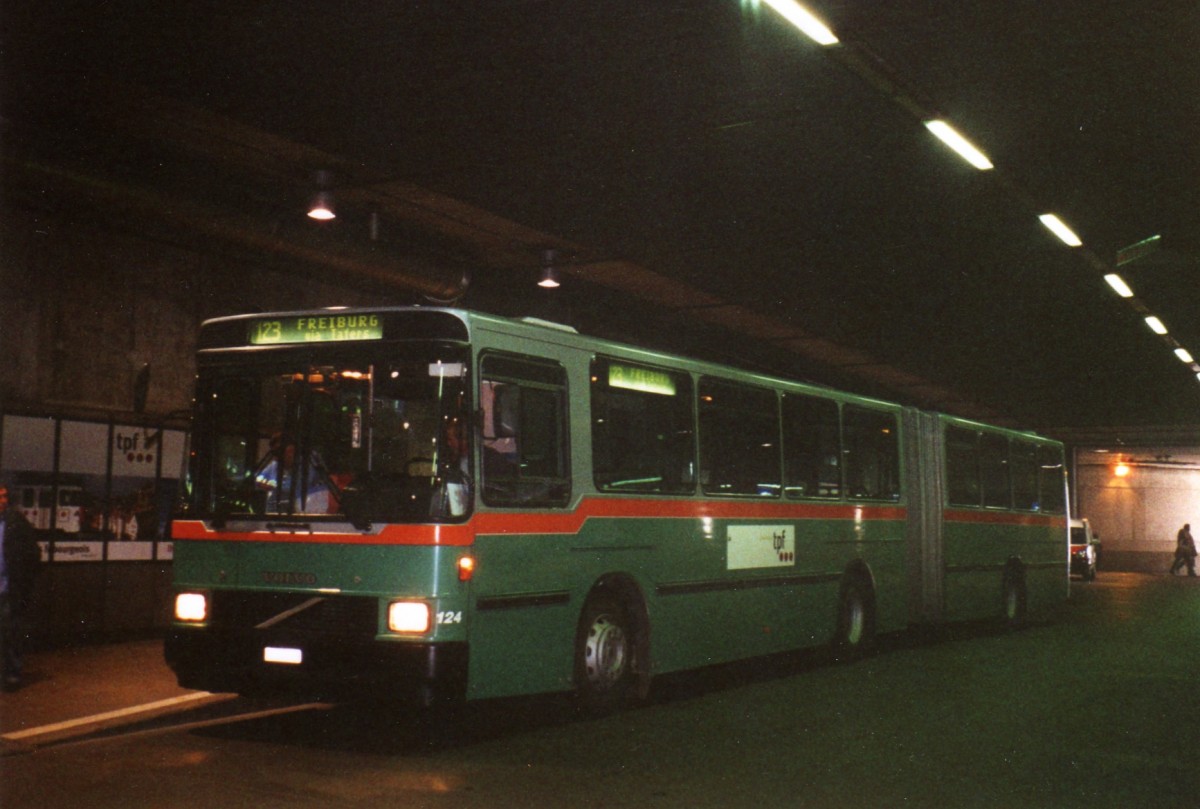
1052 487
500 430
1025 476
963 486
739 439
870 444
505 407
524 436
643 433
994 471
812 453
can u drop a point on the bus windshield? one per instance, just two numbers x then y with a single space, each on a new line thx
364 439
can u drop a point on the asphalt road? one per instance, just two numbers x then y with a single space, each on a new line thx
1094 708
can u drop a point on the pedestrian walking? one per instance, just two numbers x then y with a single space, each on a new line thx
1185 551
20 558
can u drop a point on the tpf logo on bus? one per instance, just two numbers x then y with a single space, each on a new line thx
783 548
752 546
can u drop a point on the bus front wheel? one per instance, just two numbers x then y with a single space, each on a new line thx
604 655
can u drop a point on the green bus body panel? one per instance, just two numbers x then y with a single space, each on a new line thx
529 590
311 565
976 554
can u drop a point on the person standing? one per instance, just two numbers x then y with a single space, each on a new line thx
20 558
1185 551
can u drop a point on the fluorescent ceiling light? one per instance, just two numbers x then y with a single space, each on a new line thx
1156 325
949 136
803 19
1060 230
1118 284
1183 355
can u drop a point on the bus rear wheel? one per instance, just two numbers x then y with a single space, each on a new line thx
604 655
1013 597
855 634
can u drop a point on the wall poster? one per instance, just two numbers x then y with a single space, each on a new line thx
94 491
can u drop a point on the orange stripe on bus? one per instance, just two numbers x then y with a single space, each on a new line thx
539 522
389 535
1005 518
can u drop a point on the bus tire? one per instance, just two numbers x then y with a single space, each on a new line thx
854 637
1014 597
605 650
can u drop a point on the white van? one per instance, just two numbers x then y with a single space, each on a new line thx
1085 549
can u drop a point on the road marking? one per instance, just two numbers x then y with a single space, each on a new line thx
105 717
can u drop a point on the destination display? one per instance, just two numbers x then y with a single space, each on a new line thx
316 329
645 380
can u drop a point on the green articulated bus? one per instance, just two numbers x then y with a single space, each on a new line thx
440 504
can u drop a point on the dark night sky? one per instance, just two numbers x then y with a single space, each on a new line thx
711 142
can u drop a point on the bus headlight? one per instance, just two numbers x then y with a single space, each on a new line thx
409 617
191 608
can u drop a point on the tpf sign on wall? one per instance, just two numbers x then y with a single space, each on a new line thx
135 451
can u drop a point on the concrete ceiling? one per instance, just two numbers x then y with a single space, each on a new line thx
707 179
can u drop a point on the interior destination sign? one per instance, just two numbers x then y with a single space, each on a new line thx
645 380
316 329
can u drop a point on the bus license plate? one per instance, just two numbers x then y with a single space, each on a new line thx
281 654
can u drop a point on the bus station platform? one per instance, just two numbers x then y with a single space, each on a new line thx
77 690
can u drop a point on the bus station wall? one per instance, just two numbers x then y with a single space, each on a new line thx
99 495
1138 516
85 308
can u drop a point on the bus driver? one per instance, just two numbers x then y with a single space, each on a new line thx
276 475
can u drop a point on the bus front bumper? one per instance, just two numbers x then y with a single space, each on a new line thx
326 668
